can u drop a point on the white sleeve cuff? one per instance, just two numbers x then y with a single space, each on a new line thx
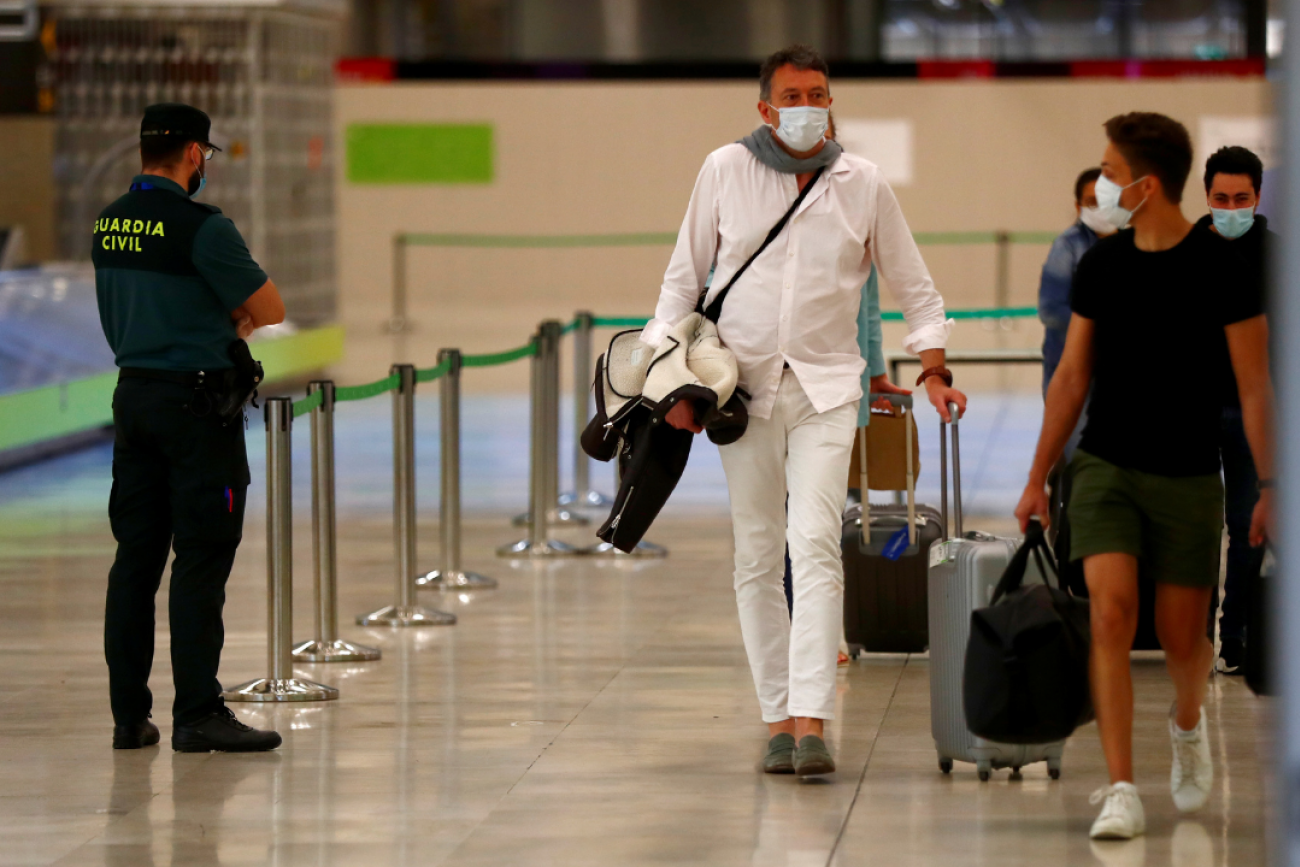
933 336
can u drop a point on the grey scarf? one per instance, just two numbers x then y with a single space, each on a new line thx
769 153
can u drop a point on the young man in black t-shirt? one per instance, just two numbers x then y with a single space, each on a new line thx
1156 329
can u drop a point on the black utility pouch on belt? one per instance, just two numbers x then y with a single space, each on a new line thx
239 384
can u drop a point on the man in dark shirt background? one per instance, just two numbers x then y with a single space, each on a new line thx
1233 177
177 288
1155 330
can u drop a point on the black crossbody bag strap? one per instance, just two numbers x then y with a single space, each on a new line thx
714 310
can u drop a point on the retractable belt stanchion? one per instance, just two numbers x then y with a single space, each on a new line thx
537 545
583 495
451 576
558 515
280 685
643 548
405 612
326 646
548 351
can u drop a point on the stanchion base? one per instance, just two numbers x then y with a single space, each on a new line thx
397 324
559 516
338 650
555 517
642 551
456 581
289 689
414 615
526 550
585 500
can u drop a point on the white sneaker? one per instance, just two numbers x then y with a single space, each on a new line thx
1192 775
1122 818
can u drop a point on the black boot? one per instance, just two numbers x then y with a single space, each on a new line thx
223 732
134 737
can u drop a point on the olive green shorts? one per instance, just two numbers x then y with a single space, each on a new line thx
1173 525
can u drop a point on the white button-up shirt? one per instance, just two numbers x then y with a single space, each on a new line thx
798 303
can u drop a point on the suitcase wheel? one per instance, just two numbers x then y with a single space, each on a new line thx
1015 773
1054 768
945 765
985 769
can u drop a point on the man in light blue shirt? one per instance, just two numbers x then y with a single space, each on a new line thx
1058 270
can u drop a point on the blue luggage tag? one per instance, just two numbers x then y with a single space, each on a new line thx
896 545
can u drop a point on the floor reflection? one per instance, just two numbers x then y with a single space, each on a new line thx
584 713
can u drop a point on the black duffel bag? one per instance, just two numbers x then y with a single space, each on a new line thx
1026 675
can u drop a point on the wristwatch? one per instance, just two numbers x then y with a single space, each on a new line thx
942 372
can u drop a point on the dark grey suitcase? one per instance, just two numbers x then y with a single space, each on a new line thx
885 601
885 607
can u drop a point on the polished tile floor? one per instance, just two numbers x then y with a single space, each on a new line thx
586 713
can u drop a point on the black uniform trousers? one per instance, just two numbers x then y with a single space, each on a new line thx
178 481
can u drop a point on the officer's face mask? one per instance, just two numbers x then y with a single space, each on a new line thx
197 180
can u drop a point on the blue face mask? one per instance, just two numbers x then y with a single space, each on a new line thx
1233 224
203 182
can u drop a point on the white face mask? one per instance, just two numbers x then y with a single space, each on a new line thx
1094 219
1108 193
802 126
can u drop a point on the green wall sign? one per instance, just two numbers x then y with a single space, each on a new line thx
420 153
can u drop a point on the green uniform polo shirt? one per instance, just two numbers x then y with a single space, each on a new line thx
168 272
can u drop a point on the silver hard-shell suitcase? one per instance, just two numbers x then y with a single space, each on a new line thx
963 573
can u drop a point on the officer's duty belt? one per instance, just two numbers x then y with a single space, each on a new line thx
193 379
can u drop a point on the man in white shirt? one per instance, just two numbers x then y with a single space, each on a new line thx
791 320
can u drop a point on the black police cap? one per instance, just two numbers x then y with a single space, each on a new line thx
178 121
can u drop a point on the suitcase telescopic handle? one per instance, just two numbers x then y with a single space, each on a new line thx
903 401
956 472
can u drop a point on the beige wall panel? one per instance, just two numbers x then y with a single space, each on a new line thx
622 157
27 181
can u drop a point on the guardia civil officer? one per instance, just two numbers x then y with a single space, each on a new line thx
177 290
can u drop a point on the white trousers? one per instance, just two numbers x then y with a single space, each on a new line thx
804 454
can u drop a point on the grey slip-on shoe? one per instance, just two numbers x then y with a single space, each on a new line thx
812 757
780 755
